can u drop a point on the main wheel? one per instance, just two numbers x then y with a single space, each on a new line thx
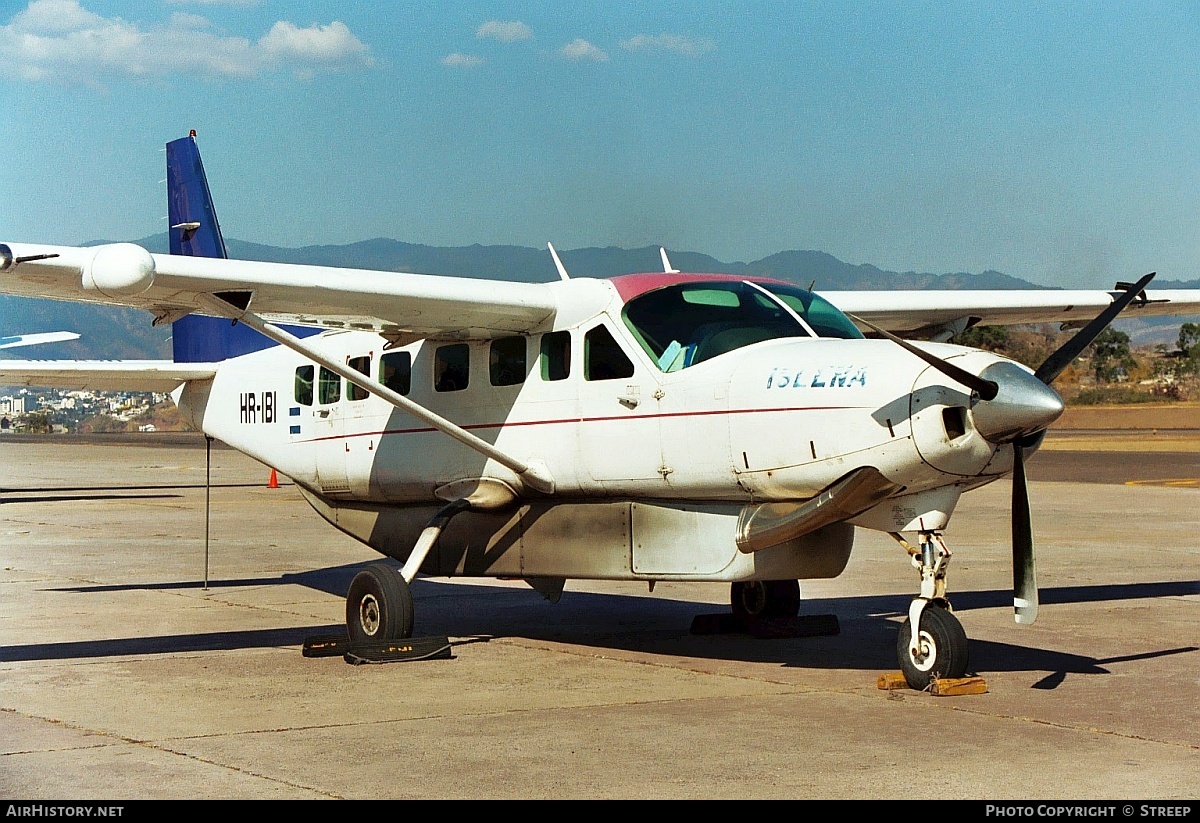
379 605
765 599
942 651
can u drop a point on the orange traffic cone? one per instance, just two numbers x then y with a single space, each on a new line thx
273 483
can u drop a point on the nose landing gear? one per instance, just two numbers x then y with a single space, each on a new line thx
932 643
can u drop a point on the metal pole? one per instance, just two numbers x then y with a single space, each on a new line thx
207 500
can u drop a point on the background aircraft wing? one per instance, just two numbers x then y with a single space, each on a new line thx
103 375
916 311
386 302
37 338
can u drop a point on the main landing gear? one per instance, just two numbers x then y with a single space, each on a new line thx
764 599
379 604
932 643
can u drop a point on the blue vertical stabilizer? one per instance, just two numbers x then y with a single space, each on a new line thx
195 232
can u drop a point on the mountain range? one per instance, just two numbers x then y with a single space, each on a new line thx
115 333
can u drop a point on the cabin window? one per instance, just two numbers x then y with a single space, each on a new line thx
556 355
329 386
395 371
451 367
603 358
506 361
304 385
362 365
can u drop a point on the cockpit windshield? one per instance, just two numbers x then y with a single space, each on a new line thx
825 319
689 323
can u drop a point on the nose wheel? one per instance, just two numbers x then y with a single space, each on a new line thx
940 650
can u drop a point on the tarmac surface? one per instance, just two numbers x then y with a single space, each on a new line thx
133 668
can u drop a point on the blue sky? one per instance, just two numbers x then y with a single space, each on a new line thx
1059 141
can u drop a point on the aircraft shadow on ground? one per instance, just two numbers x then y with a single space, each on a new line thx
79 498
478 612
76 494
110 487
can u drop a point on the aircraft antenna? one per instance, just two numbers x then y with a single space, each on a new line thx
562 270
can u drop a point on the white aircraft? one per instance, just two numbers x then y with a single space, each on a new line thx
656 426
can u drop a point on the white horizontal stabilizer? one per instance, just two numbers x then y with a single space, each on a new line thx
103 375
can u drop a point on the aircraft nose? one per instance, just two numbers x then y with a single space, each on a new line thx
1022 405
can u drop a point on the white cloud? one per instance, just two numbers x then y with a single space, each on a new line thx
580 49
505 32
59 40
692 47
328 45
463 61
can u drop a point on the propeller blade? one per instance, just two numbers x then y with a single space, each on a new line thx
1057 362
987 389
1025 593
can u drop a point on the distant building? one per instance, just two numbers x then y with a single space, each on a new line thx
12 406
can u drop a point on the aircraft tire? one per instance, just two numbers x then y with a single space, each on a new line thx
765 599
379 605
945 642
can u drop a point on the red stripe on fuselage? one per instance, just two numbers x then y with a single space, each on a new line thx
481 426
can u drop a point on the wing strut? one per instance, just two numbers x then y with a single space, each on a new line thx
535 477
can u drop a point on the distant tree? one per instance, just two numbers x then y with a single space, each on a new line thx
1189 340
37 423
1111 355
1030 345
991 338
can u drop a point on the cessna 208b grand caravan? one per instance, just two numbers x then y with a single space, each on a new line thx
655 426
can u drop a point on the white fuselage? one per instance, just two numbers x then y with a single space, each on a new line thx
773 421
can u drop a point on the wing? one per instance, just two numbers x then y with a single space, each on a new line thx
103 375
923 311
17 340
390 303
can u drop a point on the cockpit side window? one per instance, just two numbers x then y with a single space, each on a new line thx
603 358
